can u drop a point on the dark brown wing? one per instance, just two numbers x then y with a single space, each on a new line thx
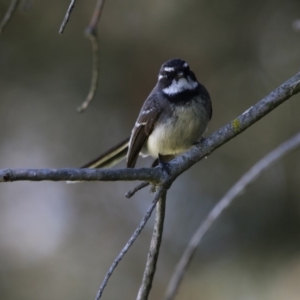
142 129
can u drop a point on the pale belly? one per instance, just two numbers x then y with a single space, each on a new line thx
179 133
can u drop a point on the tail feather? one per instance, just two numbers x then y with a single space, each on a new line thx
111 157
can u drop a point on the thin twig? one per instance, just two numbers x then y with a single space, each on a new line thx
9 13
227 199
95 73
130 242
136 189
91 33
95 17
67 17
154 249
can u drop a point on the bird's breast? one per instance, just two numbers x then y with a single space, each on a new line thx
178 129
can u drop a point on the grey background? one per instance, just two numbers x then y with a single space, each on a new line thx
58 240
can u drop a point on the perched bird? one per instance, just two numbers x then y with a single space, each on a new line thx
172 119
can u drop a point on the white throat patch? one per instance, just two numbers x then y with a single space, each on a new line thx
181 85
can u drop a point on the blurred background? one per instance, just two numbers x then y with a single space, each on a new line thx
56 240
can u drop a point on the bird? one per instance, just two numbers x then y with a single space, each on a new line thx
172 119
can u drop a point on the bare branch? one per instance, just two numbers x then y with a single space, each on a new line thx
95 73
158 195
95 17
136 189
91 33
227 199
9 13
145 174
67 17
154 250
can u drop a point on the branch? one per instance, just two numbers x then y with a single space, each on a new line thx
284 149
95 73
91 29
9 13
151 175
130 241
91 33
136 189
154 250
67 17
177 165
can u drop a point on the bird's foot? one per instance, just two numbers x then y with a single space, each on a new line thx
201 141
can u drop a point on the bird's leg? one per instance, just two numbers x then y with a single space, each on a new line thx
155 163
163 162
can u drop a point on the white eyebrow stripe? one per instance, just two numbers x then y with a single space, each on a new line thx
169 69
185 65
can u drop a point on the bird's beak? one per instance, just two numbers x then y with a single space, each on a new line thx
180 75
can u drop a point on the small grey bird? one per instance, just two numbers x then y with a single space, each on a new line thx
172 119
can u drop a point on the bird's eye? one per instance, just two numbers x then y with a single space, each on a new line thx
169 75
